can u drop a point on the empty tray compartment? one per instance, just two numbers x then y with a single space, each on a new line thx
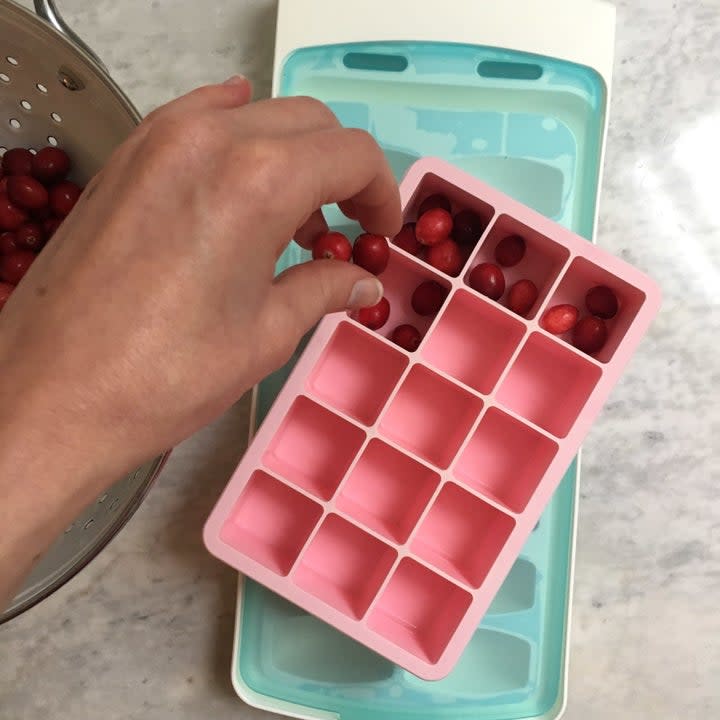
462 535
419 611
581 276
387 491
505 460
270 522
548 384
473 341
313 448
417 417
344 566
356 373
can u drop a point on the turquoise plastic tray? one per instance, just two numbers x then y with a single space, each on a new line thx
532 127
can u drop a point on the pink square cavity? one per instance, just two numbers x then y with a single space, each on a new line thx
389 493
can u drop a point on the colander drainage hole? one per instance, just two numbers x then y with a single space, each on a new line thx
12 60
15 123
4 77
26 105
41 88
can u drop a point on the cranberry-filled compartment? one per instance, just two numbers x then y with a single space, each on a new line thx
473 341
313 448
462 535
548 384
541 263
344 566
356 373
387 491
270 522
419 611
583 276
430 416
400 279
505 460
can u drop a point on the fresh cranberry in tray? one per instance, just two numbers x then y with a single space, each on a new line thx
376 316
522 297
602 302
468 226
433 226
428 298
371 252
510 251
559 319
488 280
590 334
407 337
332 246
407 241
434 201
446 257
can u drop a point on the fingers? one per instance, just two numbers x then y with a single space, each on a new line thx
286 116
315 225
305 293
345 166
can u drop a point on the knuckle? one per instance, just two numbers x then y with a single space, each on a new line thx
267 164
312 107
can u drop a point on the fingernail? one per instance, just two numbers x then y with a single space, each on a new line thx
236 80
365 293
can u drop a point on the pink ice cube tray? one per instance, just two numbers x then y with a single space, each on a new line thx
389 493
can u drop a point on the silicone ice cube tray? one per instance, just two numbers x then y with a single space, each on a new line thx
389 493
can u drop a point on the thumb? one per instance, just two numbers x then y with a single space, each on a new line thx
304 293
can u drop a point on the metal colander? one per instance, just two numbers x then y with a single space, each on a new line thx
55 91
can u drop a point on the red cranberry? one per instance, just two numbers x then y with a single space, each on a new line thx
17 161
559 319
27 192
50 165
488 280
407 337
8 243
30 236
371 252
50 226
522 297
445 257
428 298
510 250
11 216
590 334
468 226
63 197
14 266
433 226
602 302
332 246
376 316
434 201
406 240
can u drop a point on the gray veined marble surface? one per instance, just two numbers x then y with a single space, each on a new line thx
145 632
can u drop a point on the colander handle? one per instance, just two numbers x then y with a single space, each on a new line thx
48 11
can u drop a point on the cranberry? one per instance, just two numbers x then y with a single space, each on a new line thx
8 243
590 334
14 266
406 240
30 236
522 297
3 184
332 246
510 250
50 226
559 319
41 214
371 252
63 197
5 292
488 280
17 161
11 216
428 298
407 337
602 302
446 257
376 316
434 201
433 227
27 192
468 226
50 165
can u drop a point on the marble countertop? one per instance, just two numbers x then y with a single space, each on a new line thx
145 631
